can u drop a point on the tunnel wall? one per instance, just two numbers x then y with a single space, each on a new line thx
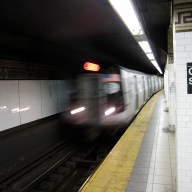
24 101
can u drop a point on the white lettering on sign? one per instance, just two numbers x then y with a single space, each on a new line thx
190 81
190 71
189 78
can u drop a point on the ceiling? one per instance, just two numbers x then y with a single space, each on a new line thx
68 33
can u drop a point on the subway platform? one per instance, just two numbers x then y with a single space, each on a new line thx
144 159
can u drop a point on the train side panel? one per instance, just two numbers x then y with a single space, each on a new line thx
129 93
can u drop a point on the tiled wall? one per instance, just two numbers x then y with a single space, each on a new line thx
23 101
9 100
183 55
49 98
171 93
30 101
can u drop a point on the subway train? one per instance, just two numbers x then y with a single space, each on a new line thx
109 101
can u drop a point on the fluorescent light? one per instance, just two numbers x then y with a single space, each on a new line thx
154 62
126 11
160 71
150 56
158 68
145 46
77 110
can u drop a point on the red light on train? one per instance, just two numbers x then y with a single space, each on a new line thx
91 66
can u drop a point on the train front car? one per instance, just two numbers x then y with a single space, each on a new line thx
85 109
87 100
98 99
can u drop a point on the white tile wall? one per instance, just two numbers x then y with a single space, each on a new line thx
188 48
171 94
30 99
9 100
180 48
188 35
179 61
23 101
49 97
184 112
166 86
179 36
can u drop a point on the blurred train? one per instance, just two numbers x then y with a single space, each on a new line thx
109 101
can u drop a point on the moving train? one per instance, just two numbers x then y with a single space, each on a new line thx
109 101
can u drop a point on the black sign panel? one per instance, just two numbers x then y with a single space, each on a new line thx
189 78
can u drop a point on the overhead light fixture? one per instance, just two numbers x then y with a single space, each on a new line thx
154 62
145 46
126 11
150 56
158 68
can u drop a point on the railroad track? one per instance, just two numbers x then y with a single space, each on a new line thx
65 168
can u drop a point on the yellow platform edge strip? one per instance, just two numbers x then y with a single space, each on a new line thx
114 173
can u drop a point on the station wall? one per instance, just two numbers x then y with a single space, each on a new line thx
183 57
23 101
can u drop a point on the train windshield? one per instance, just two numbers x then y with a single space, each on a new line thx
113 90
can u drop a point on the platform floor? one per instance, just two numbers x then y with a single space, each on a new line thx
144 159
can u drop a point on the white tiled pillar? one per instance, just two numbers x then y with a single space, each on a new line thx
170 80
182 56
171 96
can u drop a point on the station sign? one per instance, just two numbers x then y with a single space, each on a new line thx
189 78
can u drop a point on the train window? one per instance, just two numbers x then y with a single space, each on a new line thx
112 87
114 95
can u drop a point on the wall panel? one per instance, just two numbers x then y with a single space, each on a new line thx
9 103
30 100
49 97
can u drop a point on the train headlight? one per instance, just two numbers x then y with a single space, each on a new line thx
109 111
80 109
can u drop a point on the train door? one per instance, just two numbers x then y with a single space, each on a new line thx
152 85
136 93
160 85
126 91
143 86
149 86
91 96
146 88
156 84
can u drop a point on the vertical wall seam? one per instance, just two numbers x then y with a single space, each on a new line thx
19 102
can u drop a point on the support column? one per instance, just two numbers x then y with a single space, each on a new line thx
171 78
